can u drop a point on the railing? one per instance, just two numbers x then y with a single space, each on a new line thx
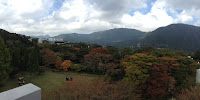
25 92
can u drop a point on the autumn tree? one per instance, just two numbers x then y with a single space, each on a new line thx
66 65
136 67
49 57
97 89
58 64
97 59
114 71
156 86
189 94
4 62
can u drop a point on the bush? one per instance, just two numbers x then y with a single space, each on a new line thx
41 70
77 67
190 94
98 89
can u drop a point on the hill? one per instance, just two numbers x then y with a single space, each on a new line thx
119 37
175 36
13 36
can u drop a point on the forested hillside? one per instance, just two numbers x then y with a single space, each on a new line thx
13 36
176 36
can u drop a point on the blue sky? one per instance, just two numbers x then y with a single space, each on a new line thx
53 17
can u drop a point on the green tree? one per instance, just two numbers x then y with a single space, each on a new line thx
113 51
33 62
185 74
197 55
4 62
126 51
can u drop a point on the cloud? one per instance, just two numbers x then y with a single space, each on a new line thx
189 8
53 17
157 17
20 15
113 10
180 4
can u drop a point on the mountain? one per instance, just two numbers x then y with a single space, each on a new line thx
175 36
119 37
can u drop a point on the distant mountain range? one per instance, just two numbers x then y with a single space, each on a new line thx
175 36
119 37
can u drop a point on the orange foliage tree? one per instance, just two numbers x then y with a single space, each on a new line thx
66 65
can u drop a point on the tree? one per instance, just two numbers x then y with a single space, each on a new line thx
185 74
66 65
197 55
156 86
114 71
190 94
97 60
20 55
33 61
49 57
58 64
136 67
4 62
114 52
126 51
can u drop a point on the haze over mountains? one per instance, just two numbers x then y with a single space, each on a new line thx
119 37
175 36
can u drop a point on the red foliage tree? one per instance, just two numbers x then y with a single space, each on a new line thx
58 64
97 60
98 50
156 86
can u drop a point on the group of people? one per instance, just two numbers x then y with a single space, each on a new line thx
22 82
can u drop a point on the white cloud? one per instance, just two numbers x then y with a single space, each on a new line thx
183 17
35 17
189 8
157 17
32 17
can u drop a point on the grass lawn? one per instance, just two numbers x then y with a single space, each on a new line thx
50 80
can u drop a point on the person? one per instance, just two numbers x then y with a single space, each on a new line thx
70 78
67 79
21 81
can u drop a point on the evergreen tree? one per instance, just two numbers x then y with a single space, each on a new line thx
4 62
33 61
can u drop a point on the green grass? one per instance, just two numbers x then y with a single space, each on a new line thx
50 81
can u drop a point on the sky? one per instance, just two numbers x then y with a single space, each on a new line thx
54 17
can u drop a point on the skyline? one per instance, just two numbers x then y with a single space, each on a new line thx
53 17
